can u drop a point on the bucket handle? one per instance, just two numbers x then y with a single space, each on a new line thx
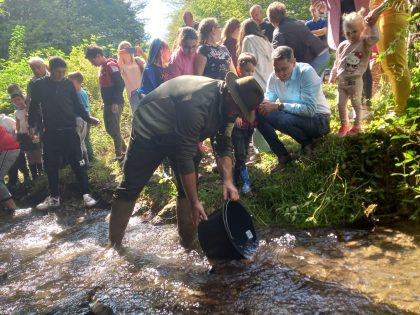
226 220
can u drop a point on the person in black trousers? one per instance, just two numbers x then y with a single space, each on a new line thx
56 98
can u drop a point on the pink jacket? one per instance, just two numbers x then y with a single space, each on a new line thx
333 7
180 64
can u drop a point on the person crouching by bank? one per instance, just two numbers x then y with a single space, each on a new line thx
169 122
294 104
56 97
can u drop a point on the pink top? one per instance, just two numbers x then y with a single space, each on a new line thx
180 64
352 59
131 74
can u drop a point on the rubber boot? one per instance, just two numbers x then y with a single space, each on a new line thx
186 230
121 211
246 187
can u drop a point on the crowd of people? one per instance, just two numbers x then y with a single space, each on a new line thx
236 85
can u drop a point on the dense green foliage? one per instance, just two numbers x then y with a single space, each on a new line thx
225 9
64 23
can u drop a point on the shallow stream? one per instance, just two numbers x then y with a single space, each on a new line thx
54 263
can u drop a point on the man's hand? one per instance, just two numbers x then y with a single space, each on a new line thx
267 107
94 121
114 108
229 191
332 79
198 213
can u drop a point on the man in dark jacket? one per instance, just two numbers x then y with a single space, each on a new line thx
170 122
55 97
289 32
112 88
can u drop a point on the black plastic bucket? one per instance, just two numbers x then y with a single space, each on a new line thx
228 233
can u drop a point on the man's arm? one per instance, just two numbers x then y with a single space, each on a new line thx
278 39
223 151
189 122
270 90
224 164
34 106
309 86
189 183
269 104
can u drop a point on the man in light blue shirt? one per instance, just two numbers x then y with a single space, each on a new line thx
294 104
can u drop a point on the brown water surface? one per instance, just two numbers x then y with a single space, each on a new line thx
54 263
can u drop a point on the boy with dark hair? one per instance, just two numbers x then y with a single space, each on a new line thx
56 97
112 88
243 130
83 128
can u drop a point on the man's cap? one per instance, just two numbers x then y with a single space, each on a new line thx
246 92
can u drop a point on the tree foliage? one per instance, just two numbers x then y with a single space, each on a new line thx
64 23
225 9
17 43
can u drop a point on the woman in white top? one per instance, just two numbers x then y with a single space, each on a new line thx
252 40
131 68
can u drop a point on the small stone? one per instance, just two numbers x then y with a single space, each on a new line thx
167 215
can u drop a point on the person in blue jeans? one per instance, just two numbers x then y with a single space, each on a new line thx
294 104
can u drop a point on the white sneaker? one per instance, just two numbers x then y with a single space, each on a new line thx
88 201
49 202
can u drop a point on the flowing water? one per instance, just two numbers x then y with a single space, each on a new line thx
54 263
